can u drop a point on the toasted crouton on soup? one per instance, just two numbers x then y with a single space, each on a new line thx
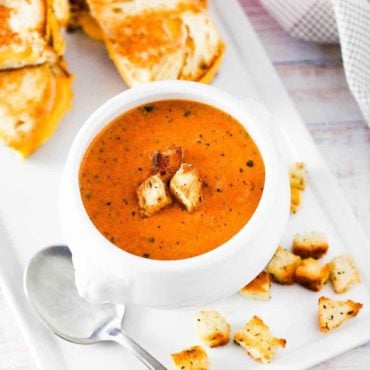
298 176
186 186
312 274
333 314
167 162
283 265
151 40
32 102
312 244
258 288
152 195
258 341
344 273
29 33
193 358
212 328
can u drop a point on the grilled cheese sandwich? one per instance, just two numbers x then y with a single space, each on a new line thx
32 102
159 40
29 33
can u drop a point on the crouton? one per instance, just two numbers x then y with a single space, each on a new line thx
258 341
186 186
167 162
259 288
344 273
194 358
152 195
298 176
312 274
212 328
312 244
282 266
295 200
333 314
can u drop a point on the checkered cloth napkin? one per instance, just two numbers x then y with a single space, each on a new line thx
331 21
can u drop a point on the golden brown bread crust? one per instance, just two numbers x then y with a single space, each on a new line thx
167 162
282 266
312 274
258 288
193 358
333 314
312 244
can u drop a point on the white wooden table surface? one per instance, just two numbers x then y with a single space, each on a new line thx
314 77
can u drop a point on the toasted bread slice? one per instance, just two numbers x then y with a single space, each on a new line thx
152 195
186 186
32 102
193 358
312 244
333 314
167 162
29 34
80 18
159 40
283 265
344 273
312 274
212 328
258 288
258 341
298 176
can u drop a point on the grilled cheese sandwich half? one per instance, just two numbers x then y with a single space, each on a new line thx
81 18
29 33
151 40
32 102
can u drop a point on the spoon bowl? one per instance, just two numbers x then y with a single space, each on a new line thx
50 288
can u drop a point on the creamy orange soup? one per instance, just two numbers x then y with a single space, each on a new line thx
120 158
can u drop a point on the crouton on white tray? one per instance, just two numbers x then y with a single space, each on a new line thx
312 244
283 265
295 200
333 314
212 328
258 288
186 186
167 162
344 273
312 274
298 176
258 341
193 358
152 195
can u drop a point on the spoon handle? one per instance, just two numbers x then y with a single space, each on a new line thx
146 358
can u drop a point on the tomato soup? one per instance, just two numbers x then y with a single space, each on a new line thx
119 160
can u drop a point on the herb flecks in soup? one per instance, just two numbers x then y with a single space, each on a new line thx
120 159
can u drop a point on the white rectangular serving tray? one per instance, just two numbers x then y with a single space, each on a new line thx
29 222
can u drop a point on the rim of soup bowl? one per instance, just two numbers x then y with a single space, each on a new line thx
157 91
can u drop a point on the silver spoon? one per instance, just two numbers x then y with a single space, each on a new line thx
50 288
